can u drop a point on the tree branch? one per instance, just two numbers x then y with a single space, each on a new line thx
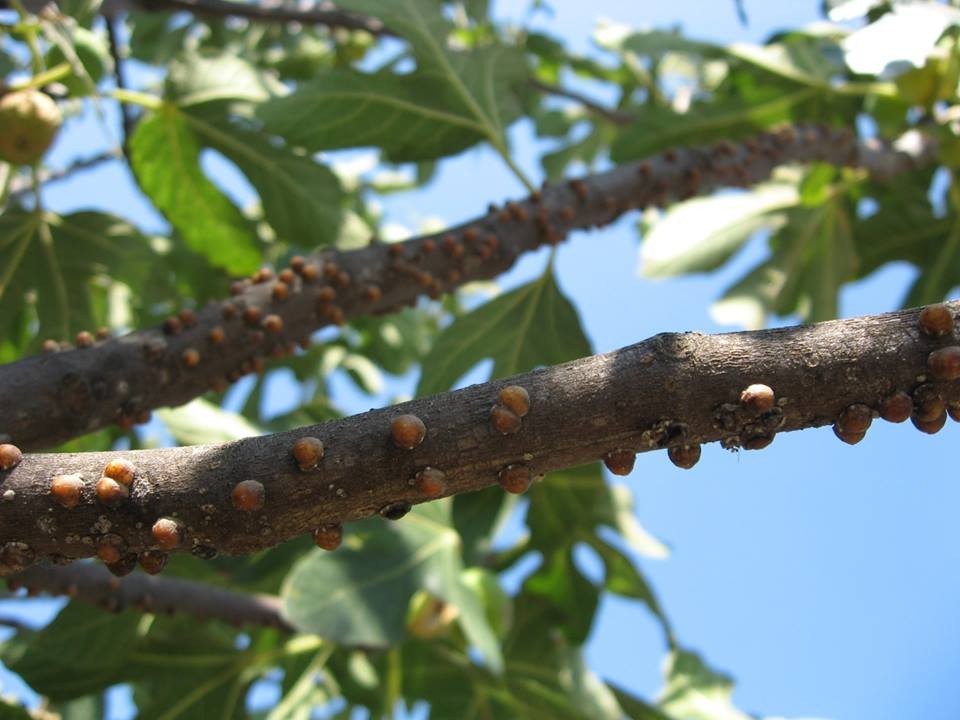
95 585
57 396
675 390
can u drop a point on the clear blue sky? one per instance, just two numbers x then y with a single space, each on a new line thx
821 576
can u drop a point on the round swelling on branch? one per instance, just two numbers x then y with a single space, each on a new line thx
29 121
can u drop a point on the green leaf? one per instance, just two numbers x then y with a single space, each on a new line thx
531 326
195 79
201 422
360 594
301 199
12 710
813 255
61 268
187 671
82 651
419 116
165 156
695 692
702 234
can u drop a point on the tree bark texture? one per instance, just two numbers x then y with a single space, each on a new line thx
672 390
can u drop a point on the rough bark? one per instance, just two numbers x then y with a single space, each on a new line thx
56 396
675 389
95 585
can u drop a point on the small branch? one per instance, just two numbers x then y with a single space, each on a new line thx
117 55
93 584
24 186
617 117
675 390
323 13
57 396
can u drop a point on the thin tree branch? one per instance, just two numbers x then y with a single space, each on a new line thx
24 186
95 585
617 117
675 390
56 396
126 118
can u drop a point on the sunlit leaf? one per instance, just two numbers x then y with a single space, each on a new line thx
531 326
165 156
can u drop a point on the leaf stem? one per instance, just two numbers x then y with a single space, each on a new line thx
57 72
134 97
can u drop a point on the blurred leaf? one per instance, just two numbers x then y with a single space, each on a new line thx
13 710
700 235
196 79
695 692
89 56
82 651
478 516
531 326
301 198
200 422
813 255
90 707
441 113
154 37
360 594
165 156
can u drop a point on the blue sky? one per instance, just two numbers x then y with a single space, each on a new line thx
819 575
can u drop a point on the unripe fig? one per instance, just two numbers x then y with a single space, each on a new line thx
29 121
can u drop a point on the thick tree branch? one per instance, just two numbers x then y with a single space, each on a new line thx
59 395
95 585
675 390
322 13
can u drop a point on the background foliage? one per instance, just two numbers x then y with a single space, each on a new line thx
413 612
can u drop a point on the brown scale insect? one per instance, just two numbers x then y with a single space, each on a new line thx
566 214
927 403
110 548
308 452
331 269
515 478
238 286
216 335
470 235
10 456
310 272
263 275
757 398
851 438
504 420
953 410
67 489
328 537
190 358
167 533
407 431
280 291
670 155
326 294
372 293
50 346
579 189
273 323
110 492
684 456
896 408
395 250
188 317
515 398
172 325
220 384
342 279
287 276
944 364
431 482
453 276
504 217
757 441
251 316
932 426
248 495
297 263
102 333
854 419
518 212
536 196
620 461
121 470
83 339
228 311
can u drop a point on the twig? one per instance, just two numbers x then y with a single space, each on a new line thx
125 111
24 186
618 117
93 584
